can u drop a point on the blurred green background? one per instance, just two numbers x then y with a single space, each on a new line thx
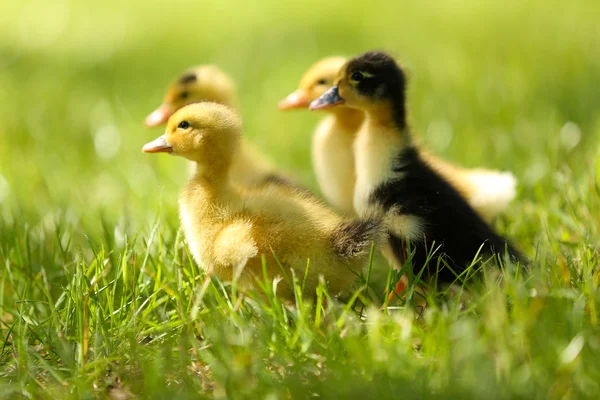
510 85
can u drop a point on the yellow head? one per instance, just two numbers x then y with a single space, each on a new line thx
314 83
207 133
202 83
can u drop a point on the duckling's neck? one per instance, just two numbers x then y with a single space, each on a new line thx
350 119
213 174
213 168
215 182
391 110
384 119
376 149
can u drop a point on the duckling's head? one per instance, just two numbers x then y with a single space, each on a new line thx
202 83
373 81
314 83
207 133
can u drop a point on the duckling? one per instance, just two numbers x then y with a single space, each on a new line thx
425 214
209 83
488 191
332 157
228 228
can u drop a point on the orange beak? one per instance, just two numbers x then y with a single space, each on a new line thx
160 115
297 99
158 145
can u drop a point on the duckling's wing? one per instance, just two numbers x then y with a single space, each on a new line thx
489 192
234 245
354 238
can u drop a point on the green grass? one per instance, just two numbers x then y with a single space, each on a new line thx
99 298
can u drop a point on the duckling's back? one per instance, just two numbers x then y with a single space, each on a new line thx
229 234
292 228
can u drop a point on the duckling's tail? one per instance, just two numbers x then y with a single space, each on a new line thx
353 238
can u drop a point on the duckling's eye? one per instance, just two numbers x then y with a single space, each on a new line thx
184 95
322 82
356 76
183 125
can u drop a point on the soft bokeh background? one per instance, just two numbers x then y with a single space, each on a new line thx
510 85
98 296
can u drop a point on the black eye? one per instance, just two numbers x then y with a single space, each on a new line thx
356 76
183 125
184 95
322 82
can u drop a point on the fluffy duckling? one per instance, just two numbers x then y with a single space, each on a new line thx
229 228
425 213
209 83
333 160
488 191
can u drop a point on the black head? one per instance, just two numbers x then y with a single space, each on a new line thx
374 78
376 75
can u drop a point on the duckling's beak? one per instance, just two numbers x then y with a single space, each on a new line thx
329 99
160 115
158 145
297 99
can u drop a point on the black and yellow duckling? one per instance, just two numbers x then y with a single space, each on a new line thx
488 191
425 213
228 228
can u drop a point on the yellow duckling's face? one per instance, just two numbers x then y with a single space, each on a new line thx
204 132
372 80
203 83
314 83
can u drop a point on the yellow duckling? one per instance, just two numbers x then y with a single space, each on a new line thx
209 83
488 191
229 228
332 157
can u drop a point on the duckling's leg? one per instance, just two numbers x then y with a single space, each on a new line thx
427 259
400 290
